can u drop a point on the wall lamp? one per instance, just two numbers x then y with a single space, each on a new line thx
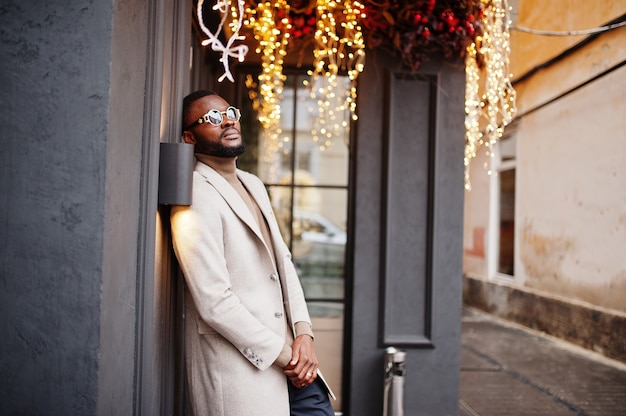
176 162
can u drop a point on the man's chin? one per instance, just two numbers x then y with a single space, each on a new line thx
228 152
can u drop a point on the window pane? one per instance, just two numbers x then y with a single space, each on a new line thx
328 326
269 153
507 222
280 197
251 132
319 241
326 164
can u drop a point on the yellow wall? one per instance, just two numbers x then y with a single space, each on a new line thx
528 50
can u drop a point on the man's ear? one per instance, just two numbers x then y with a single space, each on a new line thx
188 137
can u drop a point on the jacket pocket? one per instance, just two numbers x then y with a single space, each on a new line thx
203 327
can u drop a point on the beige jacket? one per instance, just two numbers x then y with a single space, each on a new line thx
235 319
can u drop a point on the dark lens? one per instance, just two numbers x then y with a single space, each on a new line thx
215 117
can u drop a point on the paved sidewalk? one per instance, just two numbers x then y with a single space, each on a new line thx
509 370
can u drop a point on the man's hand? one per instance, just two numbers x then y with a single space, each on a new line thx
302 369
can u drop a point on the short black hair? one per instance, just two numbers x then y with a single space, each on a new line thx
188 100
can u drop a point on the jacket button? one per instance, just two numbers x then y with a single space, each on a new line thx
278 315
273 276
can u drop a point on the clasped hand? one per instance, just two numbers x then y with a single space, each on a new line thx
302 368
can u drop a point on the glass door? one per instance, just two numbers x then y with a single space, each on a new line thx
303 160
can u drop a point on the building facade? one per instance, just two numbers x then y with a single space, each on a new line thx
545 232
91 293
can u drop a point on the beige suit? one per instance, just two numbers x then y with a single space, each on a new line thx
237 299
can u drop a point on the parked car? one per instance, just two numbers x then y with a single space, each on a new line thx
318 245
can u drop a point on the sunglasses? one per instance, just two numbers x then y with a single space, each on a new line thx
216 118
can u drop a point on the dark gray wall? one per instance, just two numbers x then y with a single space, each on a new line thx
407 216
72 82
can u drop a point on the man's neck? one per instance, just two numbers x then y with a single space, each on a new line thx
225 166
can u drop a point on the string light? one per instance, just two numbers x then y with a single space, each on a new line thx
228 50
472 110
272 35
496 107
339 46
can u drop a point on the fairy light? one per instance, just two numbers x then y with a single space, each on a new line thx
229 50
339 46
496 108
472 110
272 35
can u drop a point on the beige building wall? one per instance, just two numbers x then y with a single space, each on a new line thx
571 195
570 211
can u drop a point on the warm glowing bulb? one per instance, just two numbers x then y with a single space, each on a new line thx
497 105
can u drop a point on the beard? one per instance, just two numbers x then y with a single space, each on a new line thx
219 150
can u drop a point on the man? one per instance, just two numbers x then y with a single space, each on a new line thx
248 337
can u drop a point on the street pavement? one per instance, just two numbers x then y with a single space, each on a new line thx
507 369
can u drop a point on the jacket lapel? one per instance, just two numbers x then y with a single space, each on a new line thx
258 194
230 195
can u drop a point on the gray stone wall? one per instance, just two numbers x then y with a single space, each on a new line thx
63 203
